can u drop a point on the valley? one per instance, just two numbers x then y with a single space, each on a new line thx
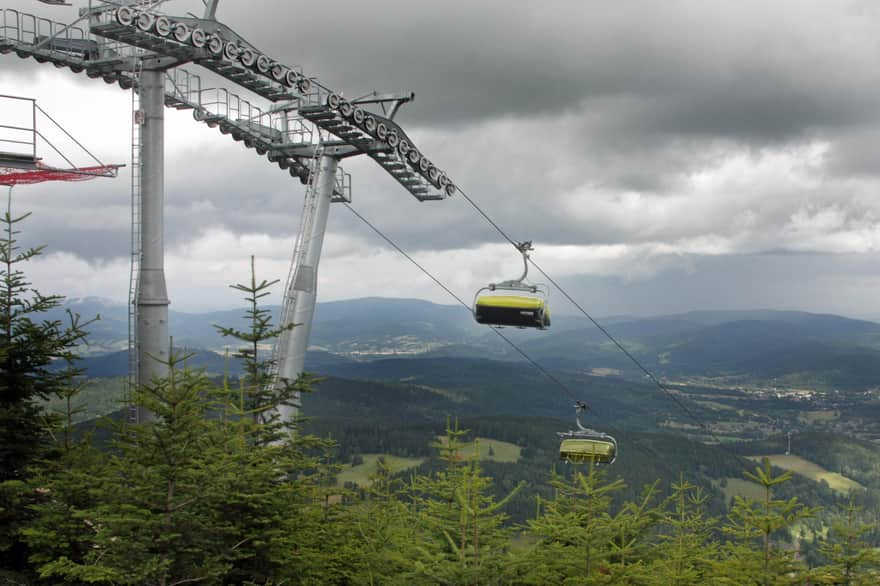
394 372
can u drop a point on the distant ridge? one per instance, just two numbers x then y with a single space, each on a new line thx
827 350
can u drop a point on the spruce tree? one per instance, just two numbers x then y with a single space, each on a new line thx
852 560
30 346
685 548
205 493
633 528
188 497
64 488
148 523
261 395
460 534
574 531
756 527
382 530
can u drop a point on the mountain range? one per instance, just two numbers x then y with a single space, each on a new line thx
395 372
760 346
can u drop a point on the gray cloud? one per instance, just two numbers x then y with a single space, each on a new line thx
702 67
842 284
748 126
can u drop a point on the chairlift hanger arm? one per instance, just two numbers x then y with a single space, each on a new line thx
517 284
580 407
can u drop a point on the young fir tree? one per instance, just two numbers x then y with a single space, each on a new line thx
265 495
188 497
63 485
29 344
460 535
290 520
259 397
633 528
685 548
574 531
382 530
307 527
205 493
148 525
751 556
852 560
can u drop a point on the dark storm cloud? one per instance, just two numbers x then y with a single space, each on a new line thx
752 71
842 284
752 124
749 69
639 74
652 89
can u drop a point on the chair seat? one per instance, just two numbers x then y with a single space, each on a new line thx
511 301
586 450
512 310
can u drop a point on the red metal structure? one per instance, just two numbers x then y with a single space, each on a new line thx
10 176
19 164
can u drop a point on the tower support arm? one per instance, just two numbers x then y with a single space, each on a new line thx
299 299
211 9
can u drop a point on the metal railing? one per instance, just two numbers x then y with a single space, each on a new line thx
46 39
22 140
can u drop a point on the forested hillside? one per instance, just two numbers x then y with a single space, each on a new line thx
454 517
407 471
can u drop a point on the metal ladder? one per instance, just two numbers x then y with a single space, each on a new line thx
134 279
136 246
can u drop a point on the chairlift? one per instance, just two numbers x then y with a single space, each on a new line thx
586 446
513 303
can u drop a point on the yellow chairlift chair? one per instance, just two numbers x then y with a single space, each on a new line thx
586 446
519 305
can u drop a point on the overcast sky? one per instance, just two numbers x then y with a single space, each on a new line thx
663 155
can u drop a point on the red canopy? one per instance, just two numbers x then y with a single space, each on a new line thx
11 176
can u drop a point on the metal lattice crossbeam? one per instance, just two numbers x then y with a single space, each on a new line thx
306 130
253 127
218 48
387 157
212 45
72 47
63 45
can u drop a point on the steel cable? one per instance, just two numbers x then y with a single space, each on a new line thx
635 443
602 329
467 306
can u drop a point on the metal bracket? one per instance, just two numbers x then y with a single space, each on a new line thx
580 407
160 63
524 247
211 9
338 150
390 102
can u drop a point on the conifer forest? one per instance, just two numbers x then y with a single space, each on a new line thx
215 489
